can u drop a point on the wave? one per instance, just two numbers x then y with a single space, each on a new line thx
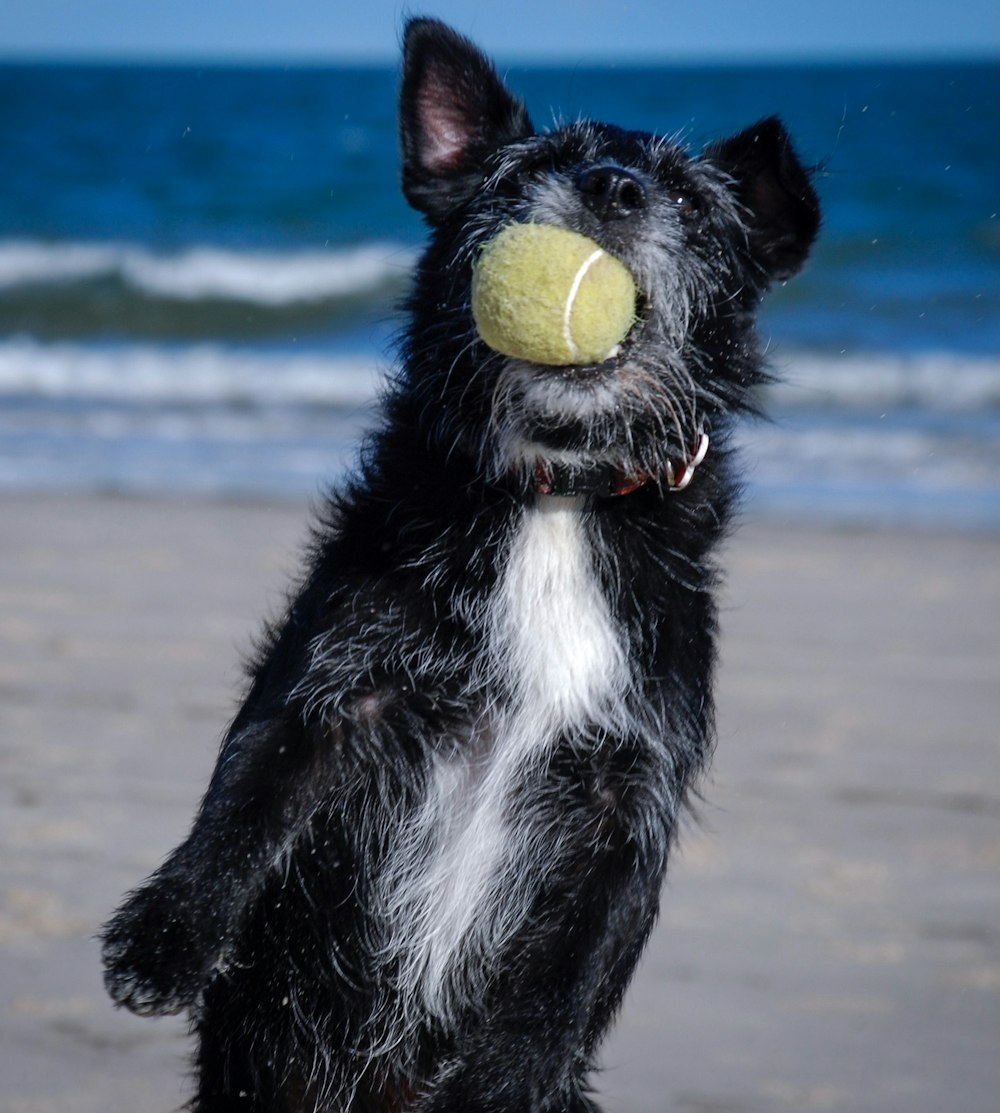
200 374
935 381
83 291
204 273
222 374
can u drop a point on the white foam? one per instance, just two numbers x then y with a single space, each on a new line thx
201 373
779 455
268 278
942 381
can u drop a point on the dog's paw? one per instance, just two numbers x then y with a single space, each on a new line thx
159 951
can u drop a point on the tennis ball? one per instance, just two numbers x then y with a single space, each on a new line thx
551 296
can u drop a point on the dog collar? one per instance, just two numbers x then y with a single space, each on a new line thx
607 481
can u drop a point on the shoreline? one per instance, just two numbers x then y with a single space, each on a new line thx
828 934
760 512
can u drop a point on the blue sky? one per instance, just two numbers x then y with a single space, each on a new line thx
290 30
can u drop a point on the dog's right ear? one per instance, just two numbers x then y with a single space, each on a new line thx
454 110
775 192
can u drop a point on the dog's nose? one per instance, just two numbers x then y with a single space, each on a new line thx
610 192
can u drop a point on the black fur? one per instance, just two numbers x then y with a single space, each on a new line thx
270 923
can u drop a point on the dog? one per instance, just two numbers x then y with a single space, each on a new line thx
431 851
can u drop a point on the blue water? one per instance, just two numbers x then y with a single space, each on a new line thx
198 269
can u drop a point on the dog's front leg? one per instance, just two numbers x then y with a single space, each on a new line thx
531 1049
174 931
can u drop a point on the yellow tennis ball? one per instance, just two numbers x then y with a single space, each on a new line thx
551 296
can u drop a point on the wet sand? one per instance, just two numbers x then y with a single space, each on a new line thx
830 937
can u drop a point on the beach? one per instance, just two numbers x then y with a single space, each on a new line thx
829 935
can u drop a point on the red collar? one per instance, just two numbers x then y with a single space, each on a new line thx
607 481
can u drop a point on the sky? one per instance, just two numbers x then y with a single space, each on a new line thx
322 30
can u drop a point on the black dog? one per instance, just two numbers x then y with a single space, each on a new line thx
432 849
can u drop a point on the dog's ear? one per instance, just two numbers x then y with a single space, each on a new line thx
454 111
775 192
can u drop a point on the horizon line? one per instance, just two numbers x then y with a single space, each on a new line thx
539 60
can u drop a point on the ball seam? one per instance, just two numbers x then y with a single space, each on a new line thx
578 278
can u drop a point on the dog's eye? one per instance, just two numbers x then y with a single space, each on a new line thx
515 176
683 202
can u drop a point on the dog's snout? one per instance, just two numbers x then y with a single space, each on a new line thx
610 192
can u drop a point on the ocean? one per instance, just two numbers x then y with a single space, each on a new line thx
199 269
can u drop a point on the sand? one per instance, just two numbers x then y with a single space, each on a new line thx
830 937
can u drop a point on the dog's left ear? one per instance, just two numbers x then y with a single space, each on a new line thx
454 110
775 192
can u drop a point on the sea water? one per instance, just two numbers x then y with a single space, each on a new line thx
199 269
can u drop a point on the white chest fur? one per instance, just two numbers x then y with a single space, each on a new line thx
552 632
469 861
